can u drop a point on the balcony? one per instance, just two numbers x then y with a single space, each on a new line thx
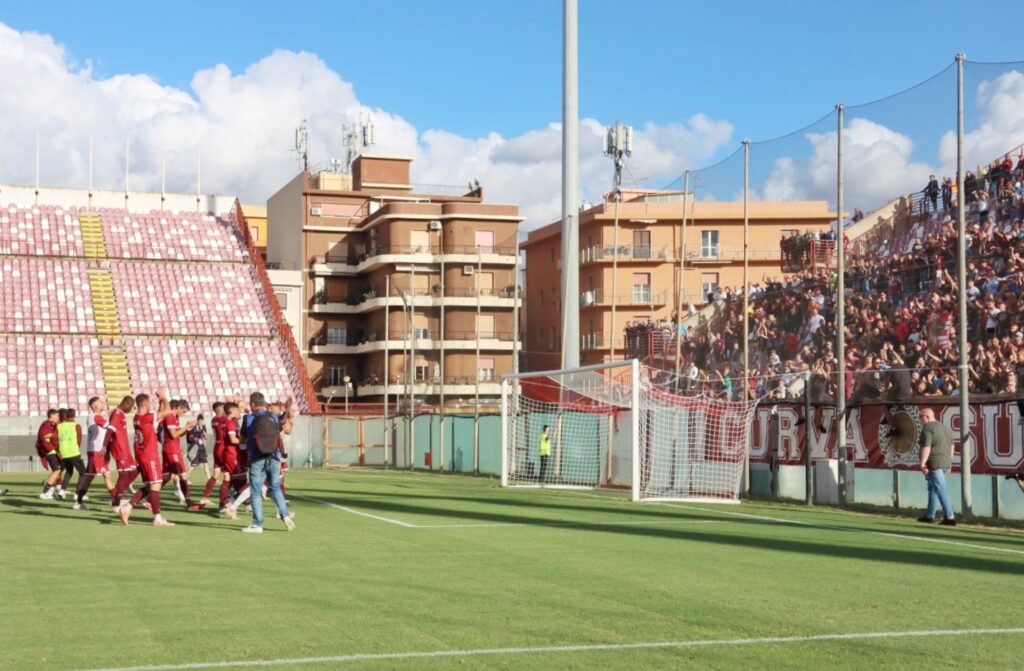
368 299
423 340
598 341
453 386
642 295
347 264
719 254
626 254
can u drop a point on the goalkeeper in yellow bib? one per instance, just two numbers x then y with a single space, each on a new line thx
544 452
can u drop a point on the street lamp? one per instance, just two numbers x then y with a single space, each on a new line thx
348 385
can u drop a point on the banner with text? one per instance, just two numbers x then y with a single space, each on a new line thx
995 427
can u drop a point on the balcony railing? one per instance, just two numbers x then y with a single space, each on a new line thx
720 253
599 253
355 339
638 296
590 341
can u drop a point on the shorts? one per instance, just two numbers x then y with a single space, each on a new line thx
150 468
124 462
52 461
229 461
199 456
97 464
173 464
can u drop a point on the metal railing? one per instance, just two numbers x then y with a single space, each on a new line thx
598 253
638 296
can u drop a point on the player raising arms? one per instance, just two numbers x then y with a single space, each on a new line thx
147 453
98 434
217 424
120 450
174 461
46 448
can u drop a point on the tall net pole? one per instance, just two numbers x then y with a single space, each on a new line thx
682 276
570 187
961 270
840 316
746 303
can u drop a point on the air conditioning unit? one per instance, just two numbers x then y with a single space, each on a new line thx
468 270
435 225
316 211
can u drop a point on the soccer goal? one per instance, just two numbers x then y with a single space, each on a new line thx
617 425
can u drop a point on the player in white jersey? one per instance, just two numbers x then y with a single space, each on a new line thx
98 437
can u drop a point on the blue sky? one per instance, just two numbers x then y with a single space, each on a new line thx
470 89
475 67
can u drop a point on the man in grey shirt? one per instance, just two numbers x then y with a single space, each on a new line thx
936 459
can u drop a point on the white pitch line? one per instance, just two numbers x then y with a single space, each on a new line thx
561 524
353 511
870 532
600 647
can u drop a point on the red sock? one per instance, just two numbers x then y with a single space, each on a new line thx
224 487
210 484
124 480
138 495
114 499
154 500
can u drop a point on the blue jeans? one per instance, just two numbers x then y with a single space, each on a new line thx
937 493
267 469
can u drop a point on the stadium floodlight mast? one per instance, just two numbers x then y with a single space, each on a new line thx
618 143
570 186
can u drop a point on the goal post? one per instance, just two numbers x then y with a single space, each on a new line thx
620 425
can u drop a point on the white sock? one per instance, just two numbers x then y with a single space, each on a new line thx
241 499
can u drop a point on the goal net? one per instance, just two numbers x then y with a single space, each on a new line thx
619 425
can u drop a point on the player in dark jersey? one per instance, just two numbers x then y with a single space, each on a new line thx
46 448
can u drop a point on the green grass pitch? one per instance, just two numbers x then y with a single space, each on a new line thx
387 563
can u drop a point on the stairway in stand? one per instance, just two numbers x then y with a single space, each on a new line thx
113 358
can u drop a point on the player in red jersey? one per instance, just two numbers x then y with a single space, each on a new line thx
147 453
235 463
98 437
171 432
120 449
217 424
46 448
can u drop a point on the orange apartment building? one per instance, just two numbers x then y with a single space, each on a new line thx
643 274
398 284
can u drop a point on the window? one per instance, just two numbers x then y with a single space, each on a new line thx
484 241
485 281
334 376
708 284
421 333
486 368
282 299
254 232
485 326
420 241
422 371
542 297
709 244
641 287
337 336
641 244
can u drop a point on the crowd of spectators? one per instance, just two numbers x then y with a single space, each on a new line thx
901 311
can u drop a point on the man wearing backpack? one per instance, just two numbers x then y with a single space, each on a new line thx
263 436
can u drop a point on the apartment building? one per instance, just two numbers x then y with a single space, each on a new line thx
402 292
633 269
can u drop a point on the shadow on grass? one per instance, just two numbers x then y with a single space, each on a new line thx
732 538
23 505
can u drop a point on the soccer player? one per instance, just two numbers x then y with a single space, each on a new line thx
147 454
98 434
120 450
69 442
217 424
236 463
174 461
46 448
197 446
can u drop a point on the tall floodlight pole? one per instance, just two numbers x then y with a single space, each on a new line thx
570 188
840 318
746 304
961 271
618 143
682 275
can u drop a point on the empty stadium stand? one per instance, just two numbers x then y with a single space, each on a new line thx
114 302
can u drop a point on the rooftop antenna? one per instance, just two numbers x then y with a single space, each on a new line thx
618 143
357 139
302 144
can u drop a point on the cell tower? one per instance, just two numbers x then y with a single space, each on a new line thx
357 139
302 144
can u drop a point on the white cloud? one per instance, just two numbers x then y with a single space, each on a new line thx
999 127
245 123
877 167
